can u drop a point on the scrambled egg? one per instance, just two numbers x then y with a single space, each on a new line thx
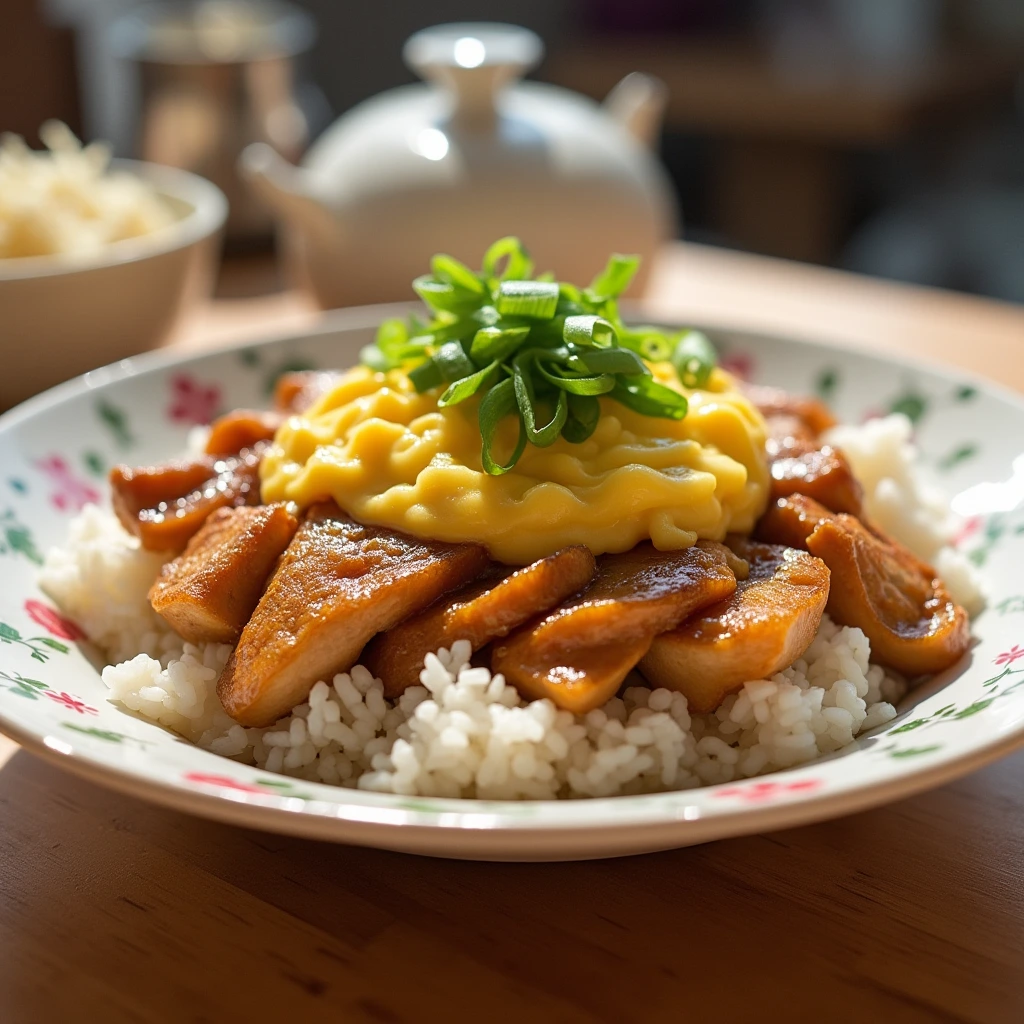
391 457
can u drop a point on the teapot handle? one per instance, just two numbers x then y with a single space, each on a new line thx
473 61
638 104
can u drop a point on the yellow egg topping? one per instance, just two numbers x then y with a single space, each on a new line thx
390 457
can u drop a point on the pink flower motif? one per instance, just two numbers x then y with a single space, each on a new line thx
1009 657
739 364
758 792
221 781
72 492
969 529
72 703
192 402
53 622
875 413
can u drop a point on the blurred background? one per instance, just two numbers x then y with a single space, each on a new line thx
883 136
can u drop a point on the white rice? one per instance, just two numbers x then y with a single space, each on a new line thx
464 732
904 505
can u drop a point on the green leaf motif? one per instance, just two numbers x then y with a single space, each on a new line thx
965 393
101 734
15 538
912 404
8 634
285 788
1011 605
973 709
94 463
909 726
20 686
18 485
958 456
55 645
825 387
915 751
116 421
249 357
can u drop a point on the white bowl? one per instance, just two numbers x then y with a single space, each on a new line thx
64 314
53 452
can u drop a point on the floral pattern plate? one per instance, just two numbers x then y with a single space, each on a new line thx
54 455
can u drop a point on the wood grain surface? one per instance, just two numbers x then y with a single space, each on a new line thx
114 910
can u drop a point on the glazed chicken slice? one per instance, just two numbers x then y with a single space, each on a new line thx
761 629
337 584
208 592
165 505
482 612
813 414
298 390
243 428
801 464
578 654
877 585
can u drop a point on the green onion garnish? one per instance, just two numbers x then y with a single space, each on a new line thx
694 358
535 349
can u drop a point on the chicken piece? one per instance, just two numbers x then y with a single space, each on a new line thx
337 584
209 591
761 629
877 585
479 613
812 413
579 654
799 466
298 390
165 505
240 429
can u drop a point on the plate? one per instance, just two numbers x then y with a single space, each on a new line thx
56 449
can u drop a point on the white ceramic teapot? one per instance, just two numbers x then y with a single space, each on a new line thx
468 158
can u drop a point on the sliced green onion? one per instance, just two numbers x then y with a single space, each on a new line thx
468 386
391 334
596 385
614 279
518 265
534 299
444 295
453 362
608 360
535 348
458 275
486 316
584 413
371 356
649 398
589 330
499 402
694 358
496 343
648 342
537 434
426 376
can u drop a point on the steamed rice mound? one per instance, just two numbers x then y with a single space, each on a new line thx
463 732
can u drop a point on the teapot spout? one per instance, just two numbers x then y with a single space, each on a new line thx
282 186
638 104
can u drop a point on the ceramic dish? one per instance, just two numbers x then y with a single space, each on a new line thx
54 454
63 314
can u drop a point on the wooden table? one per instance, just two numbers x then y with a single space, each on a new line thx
112 909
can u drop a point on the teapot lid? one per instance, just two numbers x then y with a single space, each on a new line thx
473 60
